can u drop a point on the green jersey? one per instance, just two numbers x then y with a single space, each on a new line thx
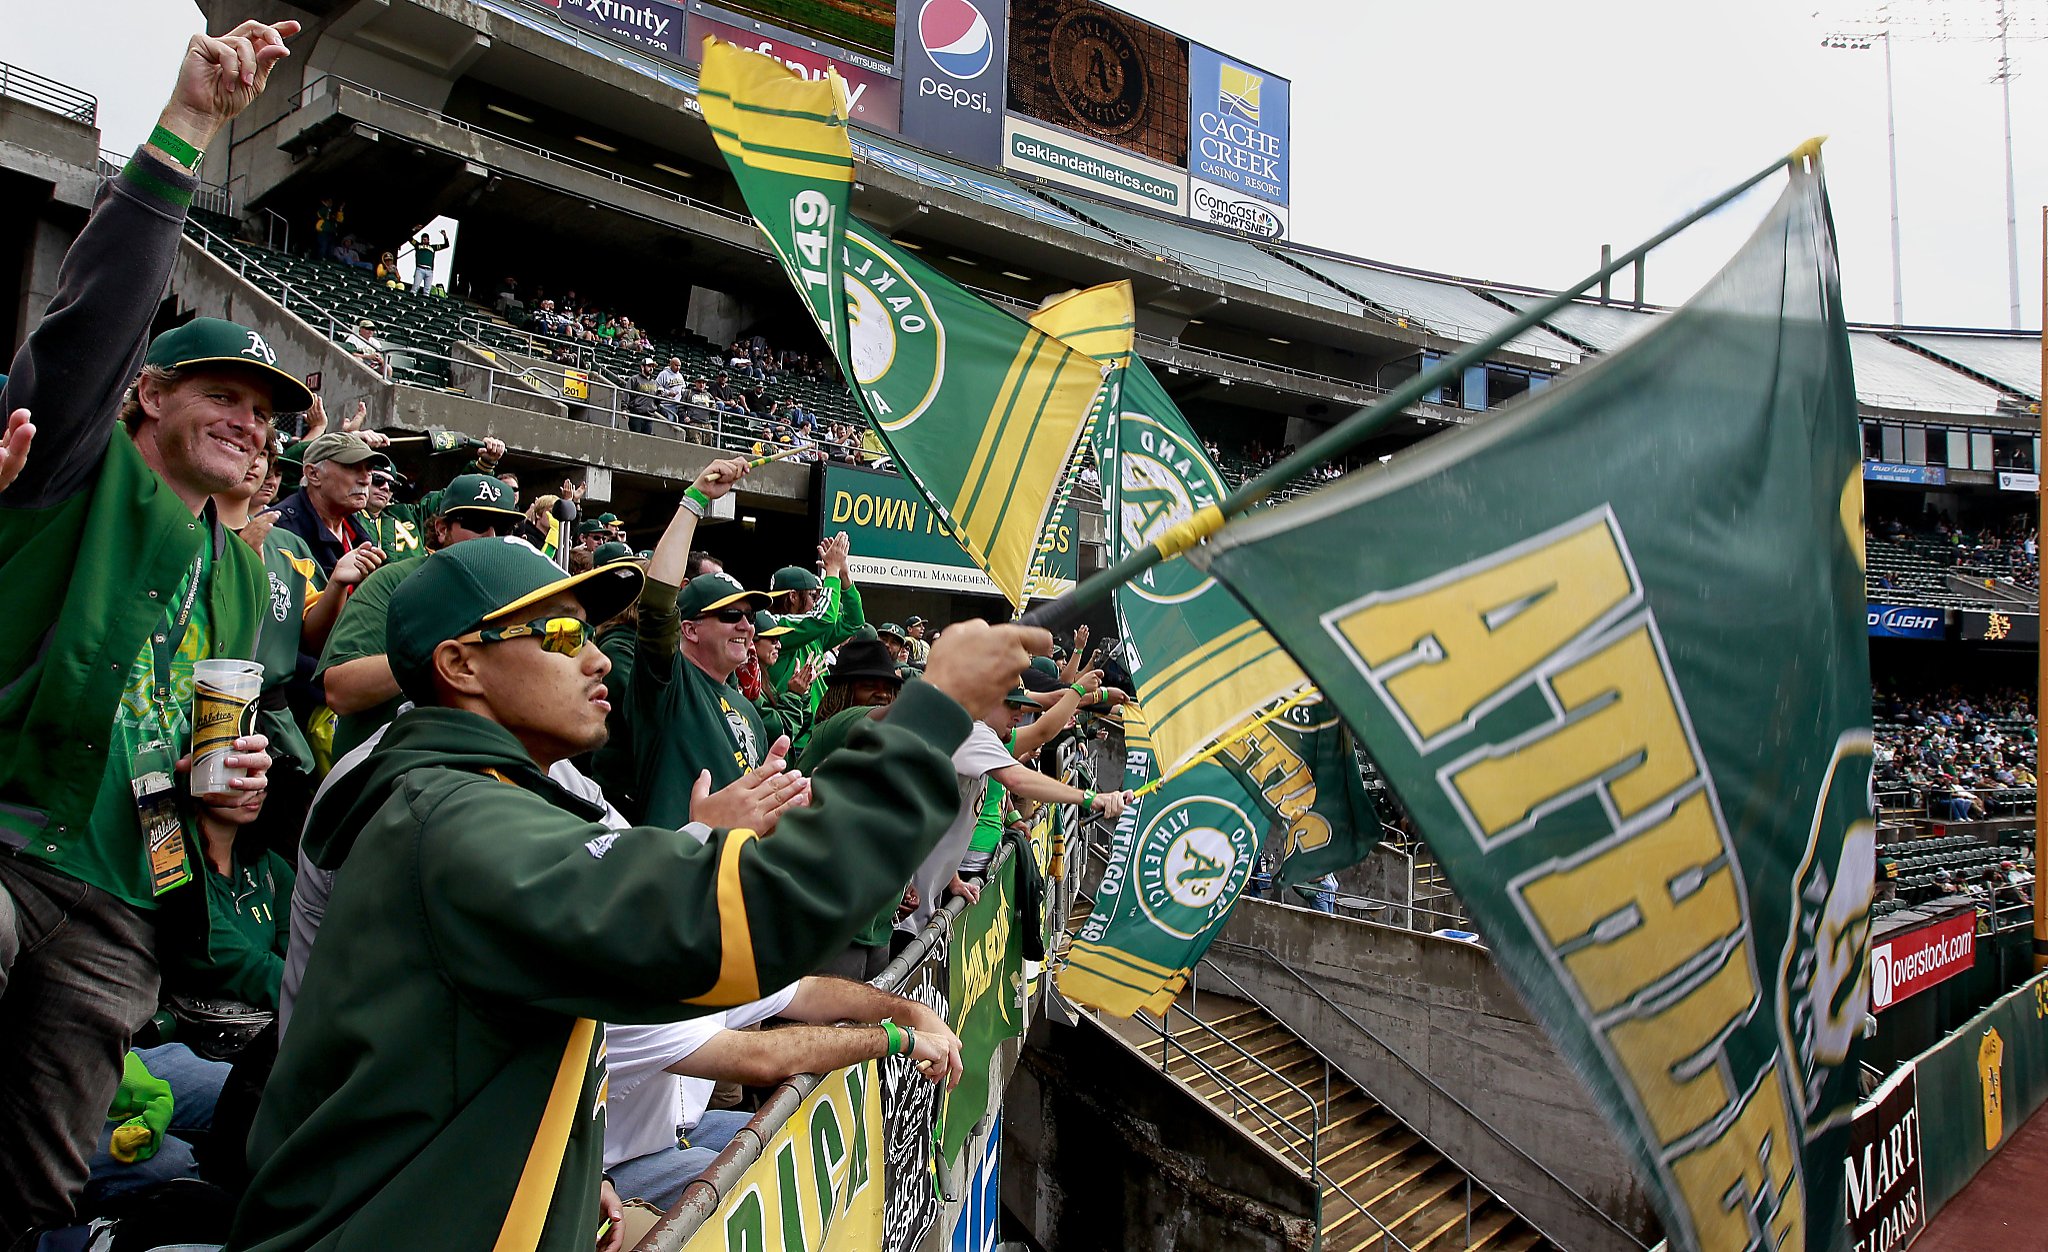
611 766
248 921
293 581
837 619
400 529
684 720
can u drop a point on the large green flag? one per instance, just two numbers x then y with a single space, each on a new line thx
1608 650
980 410
985 1000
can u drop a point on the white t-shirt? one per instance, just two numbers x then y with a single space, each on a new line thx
974 760
644 1103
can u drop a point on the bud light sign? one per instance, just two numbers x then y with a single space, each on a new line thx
954 66
1904 621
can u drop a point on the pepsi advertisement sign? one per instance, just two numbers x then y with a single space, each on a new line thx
1905 621
954 63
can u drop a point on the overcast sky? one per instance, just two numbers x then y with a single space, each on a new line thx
1508 140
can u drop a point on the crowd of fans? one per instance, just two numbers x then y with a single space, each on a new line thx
1956 754
2009 547
537 779
331 242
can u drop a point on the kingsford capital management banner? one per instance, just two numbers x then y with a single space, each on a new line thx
1238 123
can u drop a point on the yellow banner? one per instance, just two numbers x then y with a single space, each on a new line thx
818 1184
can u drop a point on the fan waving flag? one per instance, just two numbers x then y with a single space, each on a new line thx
980 411
1608 650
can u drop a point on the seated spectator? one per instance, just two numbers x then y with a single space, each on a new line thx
363 345
336 469
350 253
631 338
660 1132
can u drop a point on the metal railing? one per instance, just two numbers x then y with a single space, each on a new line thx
1435 1087
62 99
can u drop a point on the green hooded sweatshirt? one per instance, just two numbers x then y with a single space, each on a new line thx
441 1084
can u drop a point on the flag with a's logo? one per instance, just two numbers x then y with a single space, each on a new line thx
979 410
1608 650
1179 859
1201 664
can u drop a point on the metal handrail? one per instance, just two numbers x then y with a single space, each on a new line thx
1164 1021
318 86
700 1199
1427 1081
47 93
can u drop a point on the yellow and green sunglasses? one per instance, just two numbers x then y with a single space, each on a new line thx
565 635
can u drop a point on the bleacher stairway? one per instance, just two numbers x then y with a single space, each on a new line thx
1383 1186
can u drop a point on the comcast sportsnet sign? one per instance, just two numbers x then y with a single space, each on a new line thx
1908 964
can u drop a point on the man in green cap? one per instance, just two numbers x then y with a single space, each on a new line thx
121 580
354 671
895 640
441 1084
689 718
821 613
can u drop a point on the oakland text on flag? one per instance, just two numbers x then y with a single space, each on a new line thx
980 410
1607 650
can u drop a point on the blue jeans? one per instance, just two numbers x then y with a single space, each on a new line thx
195 1091
659 1177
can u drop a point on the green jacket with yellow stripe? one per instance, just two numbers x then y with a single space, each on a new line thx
441 1085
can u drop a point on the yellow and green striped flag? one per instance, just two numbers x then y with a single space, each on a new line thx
980 410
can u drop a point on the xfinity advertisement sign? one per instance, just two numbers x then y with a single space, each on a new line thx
953 67
1238 127
648 24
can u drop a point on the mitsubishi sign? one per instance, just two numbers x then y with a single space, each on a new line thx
953 67
1905 965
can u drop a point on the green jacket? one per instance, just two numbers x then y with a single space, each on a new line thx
684 720
440 1083
400 529
293 581
92 544
837 619
826 739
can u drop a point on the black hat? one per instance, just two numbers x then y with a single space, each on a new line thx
863 659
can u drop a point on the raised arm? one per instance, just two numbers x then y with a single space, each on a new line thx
72 370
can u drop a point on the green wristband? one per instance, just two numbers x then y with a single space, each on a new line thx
175 148
894 1037
1087 799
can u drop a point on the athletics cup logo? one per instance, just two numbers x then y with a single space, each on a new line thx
956 37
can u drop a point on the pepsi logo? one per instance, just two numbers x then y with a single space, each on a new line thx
956 37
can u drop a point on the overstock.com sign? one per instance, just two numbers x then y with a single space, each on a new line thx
1908 964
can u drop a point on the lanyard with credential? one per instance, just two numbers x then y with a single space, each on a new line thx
164 645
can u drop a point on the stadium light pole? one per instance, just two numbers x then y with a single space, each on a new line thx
2012 213
1861 43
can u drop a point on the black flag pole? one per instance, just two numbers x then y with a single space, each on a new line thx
1355 429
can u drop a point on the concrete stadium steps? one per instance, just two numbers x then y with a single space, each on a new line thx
1236 1056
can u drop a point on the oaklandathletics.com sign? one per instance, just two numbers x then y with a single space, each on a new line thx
1907 964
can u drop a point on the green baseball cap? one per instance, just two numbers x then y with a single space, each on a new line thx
343 448
606 553
1046 666
707 593
893 631
766 627
608 519
461 588
794 578
1020 696
211 341
590 526
478 493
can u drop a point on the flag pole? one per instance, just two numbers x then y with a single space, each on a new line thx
2040 658
1354 430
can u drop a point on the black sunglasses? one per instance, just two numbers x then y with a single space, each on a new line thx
731 617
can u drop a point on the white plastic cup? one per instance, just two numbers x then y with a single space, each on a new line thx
223 710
